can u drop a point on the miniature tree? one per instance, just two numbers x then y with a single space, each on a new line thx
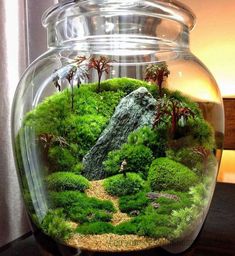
56 82
82 69
156 73
75 72
101 65
174 111
48 140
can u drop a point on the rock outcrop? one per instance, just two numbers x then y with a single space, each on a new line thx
135 110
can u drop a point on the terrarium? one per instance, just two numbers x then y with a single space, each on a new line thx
118 129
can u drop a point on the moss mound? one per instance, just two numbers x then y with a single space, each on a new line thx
121 185
166 174
60 181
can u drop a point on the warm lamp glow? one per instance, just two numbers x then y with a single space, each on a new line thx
213 40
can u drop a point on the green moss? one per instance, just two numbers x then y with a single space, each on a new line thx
126 228
55 225
81 214
80 208
152 224
61 158
95 228
67 199
202 132
84 130
135 202
138 158
165 174
127 85
60 181
120 185
154 139
167 206
187 157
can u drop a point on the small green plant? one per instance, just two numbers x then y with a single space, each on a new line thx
55 225
119 185
156 73
60 181
166 174
138 159
95 228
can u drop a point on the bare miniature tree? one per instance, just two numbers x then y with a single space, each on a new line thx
156 73
101 65
48 140
74 73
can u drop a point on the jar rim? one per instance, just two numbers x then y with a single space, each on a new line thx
173 9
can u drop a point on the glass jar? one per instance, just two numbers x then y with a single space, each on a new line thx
118 129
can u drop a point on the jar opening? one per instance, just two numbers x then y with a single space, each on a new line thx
170 9
166 21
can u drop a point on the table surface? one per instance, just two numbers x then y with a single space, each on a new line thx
217 237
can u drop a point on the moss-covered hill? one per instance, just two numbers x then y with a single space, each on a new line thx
168 158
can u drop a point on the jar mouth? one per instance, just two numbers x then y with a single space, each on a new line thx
167 9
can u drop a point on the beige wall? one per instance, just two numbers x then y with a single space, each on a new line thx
213 39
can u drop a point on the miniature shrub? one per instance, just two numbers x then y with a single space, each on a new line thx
138 158
154 139
165 174
120 185
60 158
133 202
95 228
202 132
78 168
55 226
126 228
60 181
187 157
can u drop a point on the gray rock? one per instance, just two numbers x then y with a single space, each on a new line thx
155 195
155 205
135 110
135 213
